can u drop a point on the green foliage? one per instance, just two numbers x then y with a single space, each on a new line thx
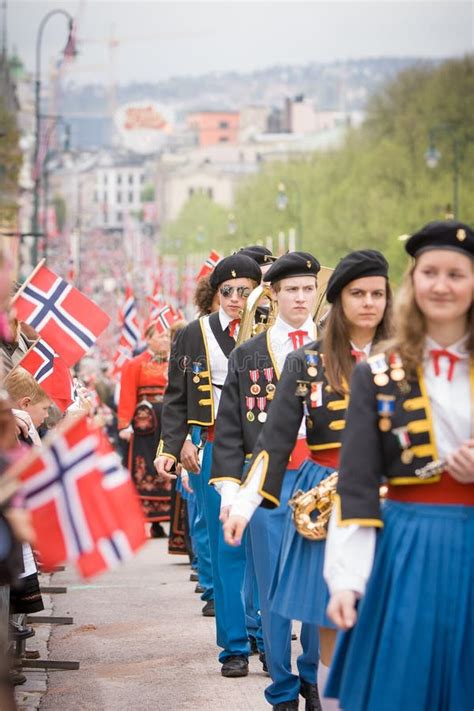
148 193
60 210
376 187
10 157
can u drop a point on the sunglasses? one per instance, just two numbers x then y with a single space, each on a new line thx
227 291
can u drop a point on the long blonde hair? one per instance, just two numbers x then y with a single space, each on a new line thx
410 326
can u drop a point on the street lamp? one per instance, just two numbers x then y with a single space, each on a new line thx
282 203
68 50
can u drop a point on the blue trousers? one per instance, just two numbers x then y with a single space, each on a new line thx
228 571
266 532
200 538
252 604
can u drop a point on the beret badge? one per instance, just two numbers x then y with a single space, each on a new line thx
461 234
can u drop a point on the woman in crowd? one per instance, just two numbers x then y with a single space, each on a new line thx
410 640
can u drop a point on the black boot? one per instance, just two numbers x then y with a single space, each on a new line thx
235 666
310 693
157 530
286 706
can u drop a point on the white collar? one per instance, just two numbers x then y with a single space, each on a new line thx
224 318
281 329
459 348
365 349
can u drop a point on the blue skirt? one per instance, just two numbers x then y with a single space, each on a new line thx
412 647
298 590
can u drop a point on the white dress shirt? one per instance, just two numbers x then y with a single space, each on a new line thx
350 549
247 499
218 361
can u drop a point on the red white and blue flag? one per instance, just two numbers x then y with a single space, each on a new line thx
130 328
51 372
68 320
83 504
165 318
208 266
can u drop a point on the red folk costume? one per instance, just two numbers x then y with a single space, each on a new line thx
143 383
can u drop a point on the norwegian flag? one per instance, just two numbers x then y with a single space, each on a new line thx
213 258
165 318
122 355
51 372
83 506
68 320
130 327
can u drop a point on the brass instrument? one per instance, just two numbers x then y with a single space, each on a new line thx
305 503
320 498
249 327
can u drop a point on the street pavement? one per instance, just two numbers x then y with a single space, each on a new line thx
142 643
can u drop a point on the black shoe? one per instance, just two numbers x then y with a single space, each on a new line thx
208 609
310 693
199 589
235 666
194 577
286 706
17 632
262 658
294 636
253 645
157 530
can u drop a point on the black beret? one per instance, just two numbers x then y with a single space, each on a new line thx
234 267
355 265
293 264
445 234
260 254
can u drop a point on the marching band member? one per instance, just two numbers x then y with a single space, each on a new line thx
143 383
198 368
313 386
410 643
254 369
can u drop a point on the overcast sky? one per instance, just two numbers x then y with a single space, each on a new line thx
158 40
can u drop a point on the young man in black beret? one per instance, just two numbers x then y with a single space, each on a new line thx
197 371
254 370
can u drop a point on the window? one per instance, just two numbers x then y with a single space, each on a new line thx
142 179
210 193
130 196
105 198
105 179
130 179
190 192
96 196
223 124
119 179
119 197
119 217
223 139
106 217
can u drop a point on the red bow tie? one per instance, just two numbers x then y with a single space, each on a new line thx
453 359
297 338
358 355
233 327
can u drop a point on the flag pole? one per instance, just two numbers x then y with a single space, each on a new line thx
27 281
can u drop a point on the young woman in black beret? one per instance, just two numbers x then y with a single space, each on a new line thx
409 642
314 387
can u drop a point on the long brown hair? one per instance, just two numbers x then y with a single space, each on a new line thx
338 361
410 327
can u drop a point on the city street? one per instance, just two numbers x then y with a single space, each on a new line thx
142 643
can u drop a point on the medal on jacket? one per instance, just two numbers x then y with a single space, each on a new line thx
261 404
250 402
378 366
254 376
316 396
385 410
270 386
397 372
302 388
401 433
197 368
311 358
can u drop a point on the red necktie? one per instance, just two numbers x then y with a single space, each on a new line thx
453 359
297 338
233 327
358 355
